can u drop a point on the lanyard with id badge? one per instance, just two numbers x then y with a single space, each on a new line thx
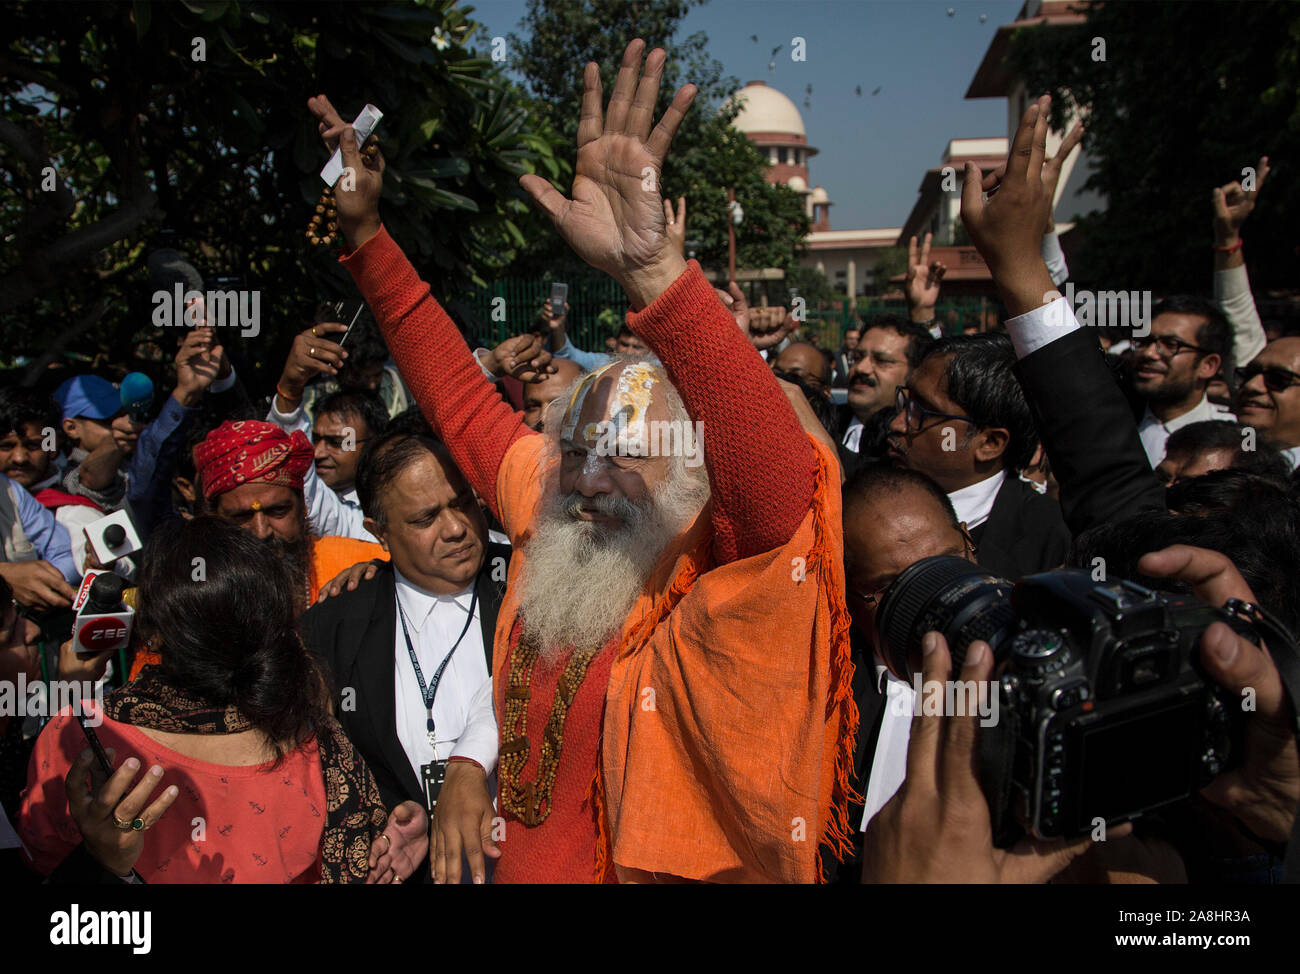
433 774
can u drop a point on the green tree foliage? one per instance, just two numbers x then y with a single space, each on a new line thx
218 157
708 156
1189 94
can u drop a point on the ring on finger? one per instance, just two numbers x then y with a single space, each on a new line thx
311 351
124 826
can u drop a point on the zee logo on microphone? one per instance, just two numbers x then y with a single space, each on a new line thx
95 636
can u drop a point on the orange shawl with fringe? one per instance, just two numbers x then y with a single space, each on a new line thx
729 721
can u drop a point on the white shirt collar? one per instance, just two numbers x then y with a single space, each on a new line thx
1201 411
51 481
350 497
418 604
1292 453
974 503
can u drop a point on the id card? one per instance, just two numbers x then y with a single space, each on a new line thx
432 775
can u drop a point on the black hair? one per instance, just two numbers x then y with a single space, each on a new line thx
979 376
1249 519
1215 434
1214 335
876 479
219 605
919 339
412 421
364 405
387 456
20 407
821 405
625 329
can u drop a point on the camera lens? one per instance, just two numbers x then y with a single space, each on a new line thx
948 594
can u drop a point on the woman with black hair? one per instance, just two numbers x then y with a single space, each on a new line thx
236 715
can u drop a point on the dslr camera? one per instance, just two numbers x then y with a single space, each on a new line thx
1104 709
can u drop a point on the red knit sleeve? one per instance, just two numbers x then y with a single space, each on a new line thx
433 358
762 469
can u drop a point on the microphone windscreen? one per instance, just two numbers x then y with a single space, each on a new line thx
167 267
137 392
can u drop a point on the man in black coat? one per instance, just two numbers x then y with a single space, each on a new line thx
409 650
964 422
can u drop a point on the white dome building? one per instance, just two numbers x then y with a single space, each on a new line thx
773 124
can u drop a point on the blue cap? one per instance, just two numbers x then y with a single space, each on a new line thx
89 396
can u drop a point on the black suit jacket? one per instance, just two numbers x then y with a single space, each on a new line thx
1087 428
353 636
1024 533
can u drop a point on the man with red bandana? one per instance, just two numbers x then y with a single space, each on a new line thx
251 474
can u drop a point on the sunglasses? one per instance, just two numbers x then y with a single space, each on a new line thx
1276 379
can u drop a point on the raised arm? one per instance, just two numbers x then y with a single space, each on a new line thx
616 221
1232 204
1086 426
431 355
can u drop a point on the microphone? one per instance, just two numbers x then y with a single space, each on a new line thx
103 619
137 395
112 537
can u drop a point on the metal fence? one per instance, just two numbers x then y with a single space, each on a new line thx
511 306
597 304
826 327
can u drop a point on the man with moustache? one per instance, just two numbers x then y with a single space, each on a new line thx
410 649
651 726
844 357
889 348
539 395
1268 397
1173 367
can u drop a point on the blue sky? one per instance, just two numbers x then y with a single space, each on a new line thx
873 149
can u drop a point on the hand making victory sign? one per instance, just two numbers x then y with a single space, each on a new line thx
615 220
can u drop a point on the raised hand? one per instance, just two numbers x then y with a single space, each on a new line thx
615 220
198 364
1052 170
764 327
310 355
1007 229
524 356
357 192
923 277
1232 204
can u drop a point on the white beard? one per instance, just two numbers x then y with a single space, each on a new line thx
581 579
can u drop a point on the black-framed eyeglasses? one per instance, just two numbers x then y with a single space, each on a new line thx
1167 346
1276 378
914 414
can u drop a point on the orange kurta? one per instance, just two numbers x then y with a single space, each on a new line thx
728 723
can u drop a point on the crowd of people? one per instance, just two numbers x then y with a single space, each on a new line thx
530 613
